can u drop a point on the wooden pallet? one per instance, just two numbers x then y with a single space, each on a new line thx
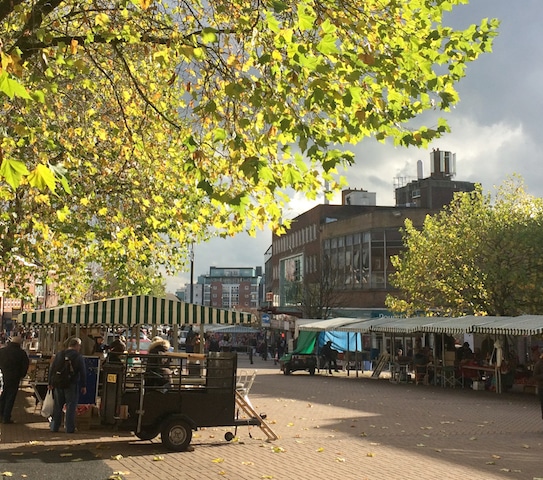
382 361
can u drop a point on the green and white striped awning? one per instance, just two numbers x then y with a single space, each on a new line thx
523 325
134 310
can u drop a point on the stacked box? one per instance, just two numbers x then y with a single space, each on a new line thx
478 385
82 417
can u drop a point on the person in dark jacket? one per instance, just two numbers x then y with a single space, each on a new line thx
116 350
538 377
14 365
330 356
68 396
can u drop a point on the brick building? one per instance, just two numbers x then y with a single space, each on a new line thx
347 247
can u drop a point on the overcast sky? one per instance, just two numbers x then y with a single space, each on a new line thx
497 130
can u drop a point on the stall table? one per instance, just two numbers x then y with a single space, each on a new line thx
492 370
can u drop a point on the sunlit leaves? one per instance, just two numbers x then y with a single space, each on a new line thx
42 177
101 19
166 125
12 88
306 17
13 171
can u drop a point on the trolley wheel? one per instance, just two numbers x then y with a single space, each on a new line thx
146 434
311 371
176 434
286 371
229 436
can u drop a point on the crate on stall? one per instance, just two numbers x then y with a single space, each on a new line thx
87 416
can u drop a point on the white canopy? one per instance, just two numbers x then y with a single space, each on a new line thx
329 325
522 325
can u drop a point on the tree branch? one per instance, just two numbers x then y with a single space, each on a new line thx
141 92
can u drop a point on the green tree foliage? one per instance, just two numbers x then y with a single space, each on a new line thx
475 257
132 128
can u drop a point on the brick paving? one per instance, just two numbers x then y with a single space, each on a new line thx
335 426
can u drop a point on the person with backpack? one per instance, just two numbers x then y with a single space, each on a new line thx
14 365
67 379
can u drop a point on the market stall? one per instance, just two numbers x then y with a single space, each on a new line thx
55 325
500 343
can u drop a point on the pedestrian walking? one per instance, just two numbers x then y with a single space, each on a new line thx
14 366
67 393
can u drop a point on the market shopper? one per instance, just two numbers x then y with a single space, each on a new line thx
14 366
330 356
115 352
69 395
99 346
158 372
538 376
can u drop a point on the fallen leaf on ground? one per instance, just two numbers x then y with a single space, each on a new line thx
158 458
218 460
117 457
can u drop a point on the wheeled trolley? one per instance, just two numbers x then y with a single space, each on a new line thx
174 394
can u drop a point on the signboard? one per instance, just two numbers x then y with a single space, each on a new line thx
266 320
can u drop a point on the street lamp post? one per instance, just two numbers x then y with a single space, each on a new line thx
191 256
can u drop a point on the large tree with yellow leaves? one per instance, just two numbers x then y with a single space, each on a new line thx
479 256
131 129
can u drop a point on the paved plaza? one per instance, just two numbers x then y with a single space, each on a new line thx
339 426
